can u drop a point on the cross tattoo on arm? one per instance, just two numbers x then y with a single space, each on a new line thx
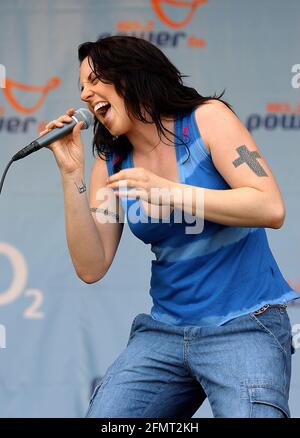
250 158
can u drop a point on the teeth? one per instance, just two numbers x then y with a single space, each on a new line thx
100 105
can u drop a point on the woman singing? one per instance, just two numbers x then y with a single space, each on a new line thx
193 184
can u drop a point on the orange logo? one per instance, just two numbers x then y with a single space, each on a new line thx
42 91
192 5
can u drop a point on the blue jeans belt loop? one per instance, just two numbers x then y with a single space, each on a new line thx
264 308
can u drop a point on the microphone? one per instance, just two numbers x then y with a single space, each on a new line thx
82 114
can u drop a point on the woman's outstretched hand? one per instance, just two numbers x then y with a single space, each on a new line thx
142 184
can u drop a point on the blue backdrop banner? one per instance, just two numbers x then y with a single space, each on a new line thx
58 335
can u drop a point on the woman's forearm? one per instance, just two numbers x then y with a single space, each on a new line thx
84 243
243 207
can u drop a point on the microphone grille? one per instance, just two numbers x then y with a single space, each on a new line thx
84 115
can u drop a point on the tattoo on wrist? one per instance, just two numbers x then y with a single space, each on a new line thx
106 212
250 158
81 188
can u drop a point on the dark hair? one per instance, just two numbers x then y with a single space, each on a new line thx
145 78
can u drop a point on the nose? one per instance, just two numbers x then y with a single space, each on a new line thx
86 93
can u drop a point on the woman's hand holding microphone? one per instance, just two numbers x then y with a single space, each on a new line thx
68 150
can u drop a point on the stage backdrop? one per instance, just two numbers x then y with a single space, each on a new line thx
58 335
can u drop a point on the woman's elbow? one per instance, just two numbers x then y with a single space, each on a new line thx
278 216
89 278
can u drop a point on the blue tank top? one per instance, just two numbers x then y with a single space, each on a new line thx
211 277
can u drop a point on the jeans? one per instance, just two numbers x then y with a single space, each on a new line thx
166 371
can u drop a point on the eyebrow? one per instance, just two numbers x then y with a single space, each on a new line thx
88 78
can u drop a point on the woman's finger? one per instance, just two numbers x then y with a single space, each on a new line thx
70 111
59 121
76 131
65 118
54 124
43 132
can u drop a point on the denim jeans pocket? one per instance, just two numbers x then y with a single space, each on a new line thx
273 320
98 387
267 401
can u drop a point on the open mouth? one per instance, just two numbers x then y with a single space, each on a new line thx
102 108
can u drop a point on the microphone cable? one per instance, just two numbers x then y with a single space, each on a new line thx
4 174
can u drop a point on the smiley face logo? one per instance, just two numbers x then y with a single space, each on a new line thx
189 6
40 91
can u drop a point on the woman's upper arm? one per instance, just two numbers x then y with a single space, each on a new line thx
233 150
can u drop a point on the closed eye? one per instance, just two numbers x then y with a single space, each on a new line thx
91 80
94 80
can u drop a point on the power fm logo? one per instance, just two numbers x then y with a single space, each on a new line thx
175 15
278 116
190 6
38 93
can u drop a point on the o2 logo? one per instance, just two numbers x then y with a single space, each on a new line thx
2 336
18 284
